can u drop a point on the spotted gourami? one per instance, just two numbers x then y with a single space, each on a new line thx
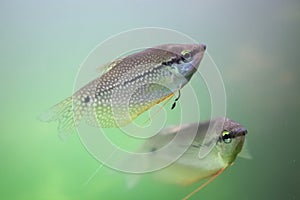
129 86
215 147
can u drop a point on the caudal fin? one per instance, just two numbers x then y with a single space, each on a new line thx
63 113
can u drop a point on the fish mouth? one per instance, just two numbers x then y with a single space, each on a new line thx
239 132
203 47
200 49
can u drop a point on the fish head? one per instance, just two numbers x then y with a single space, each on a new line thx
230 140
184 59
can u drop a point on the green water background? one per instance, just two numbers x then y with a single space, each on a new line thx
254 43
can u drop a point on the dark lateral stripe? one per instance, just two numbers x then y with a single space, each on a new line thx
142 75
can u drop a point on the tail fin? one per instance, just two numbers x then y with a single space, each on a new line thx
62 112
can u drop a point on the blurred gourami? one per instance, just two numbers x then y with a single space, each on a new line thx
225 141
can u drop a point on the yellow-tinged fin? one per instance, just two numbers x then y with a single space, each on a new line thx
205 183
136 110
157 111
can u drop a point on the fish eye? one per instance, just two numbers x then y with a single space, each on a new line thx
186 54
226 137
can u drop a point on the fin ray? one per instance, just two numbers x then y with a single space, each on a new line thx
63 114
205 183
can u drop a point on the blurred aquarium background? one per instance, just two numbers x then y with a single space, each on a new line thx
254 44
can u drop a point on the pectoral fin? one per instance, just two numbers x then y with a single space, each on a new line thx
245 152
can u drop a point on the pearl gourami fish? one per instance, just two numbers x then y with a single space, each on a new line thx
128 87
225 141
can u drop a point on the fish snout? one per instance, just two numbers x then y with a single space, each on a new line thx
203 47
241 131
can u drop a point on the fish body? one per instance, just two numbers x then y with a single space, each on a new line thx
130 86
224 143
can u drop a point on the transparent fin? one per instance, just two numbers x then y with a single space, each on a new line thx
63 114
245 152
132 180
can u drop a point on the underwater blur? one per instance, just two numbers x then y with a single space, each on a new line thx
45 44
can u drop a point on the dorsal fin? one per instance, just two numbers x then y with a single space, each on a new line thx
108 66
